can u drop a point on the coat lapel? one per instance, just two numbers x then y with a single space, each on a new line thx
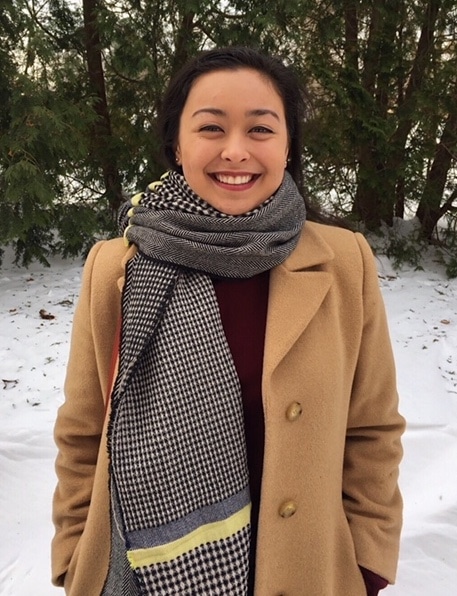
297 289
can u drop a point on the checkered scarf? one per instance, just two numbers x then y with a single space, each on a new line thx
179 479
171 223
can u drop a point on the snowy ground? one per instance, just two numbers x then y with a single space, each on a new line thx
422 311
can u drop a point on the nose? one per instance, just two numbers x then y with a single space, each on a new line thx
235 149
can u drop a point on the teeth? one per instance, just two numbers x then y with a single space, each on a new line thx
234 179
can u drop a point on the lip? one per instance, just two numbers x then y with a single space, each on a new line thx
234 180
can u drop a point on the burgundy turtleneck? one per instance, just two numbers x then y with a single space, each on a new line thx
243 307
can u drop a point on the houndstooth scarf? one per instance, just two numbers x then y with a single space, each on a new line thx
179 480
170 222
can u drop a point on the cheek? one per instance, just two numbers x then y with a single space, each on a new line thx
278 153
194 153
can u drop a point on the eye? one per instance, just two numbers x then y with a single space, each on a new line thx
210 128
261 130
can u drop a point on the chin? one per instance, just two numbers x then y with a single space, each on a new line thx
236 210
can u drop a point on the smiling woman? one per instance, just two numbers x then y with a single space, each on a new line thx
233 142
230 423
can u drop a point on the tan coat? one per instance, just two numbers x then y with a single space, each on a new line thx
333 466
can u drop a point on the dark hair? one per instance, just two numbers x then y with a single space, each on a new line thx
233 58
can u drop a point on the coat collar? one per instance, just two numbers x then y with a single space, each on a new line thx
297 290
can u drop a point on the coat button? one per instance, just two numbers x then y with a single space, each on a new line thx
287 509
294 411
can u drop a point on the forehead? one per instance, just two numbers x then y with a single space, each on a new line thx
241 87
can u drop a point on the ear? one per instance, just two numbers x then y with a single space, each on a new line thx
178 155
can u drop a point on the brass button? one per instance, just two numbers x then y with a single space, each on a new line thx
288 509
294 411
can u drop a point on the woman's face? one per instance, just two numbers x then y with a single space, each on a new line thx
233 141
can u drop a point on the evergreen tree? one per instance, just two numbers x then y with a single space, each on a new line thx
81 82
382 93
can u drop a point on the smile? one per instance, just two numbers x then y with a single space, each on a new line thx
235 180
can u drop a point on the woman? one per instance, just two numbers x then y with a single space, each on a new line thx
251 441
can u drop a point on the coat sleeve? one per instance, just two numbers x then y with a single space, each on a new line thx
80 419
373 450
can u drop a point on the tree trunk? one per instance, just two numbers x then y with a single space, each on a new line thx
183 41
374 200
430 210
102 140
415 83
400 197
351 33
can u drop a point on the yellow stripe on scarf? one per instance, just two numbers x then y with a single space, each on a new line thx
213 532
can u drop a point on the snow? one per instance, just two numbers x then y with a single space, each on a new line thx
422 313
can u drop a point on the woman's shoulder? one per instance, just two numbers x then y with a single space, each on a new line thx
333 248
105 263
114 248
331 233
342 241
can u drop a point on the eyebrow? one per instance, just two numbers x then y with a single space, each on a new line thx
218 112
